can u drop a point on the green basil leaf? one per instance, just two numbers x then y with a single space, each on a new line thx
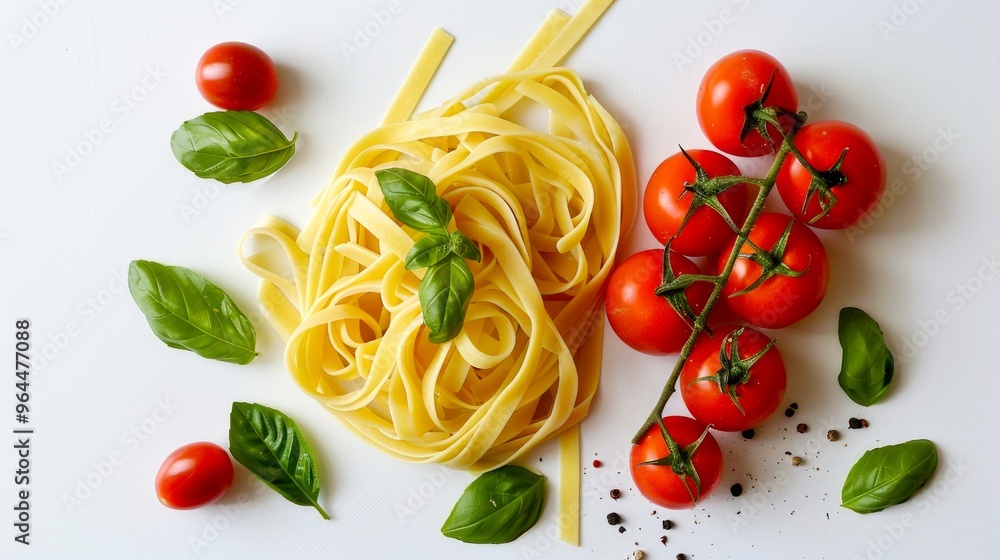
429 250
889 475
187 311
231 146
270 445
867 367
464 247
445 292
413 200
498 507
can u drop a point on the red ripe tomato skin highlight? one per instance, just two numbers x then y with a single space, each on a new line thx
194 475
781 300
733 82
659 484
237 76
759 396
640 318
821 143
664 207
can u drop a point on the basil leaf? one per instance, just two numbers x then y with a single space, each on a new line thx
188 312
413 200
445 293
867 367
464 247
231 146
429 250
889 475
270 445
498 507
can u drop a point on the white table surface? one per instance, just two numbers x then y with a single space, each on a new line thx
109 401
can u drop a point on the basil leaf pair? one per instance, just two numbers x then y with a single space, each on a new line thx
867 367
446 288
186 311
231 146
271 446
889 475
498 507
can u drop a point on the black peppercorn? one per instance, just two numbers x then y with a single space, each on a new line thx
748 434
616 493
667 525
854 423
802 428
621 529
614 518
736 489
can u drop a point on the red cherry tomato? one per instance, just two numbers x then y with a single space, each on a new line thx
639 317
237 76
194 475
734 83
863 168
659 484
758 387
780 300
665 203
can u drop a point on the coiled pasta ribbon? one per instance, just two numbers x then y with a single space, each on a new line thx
547 209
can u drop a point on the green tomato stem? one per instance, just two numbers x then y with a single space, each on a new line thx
766 184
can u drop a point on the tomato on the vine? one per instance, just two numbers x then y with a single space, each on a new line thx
857 181
658 482
666 203
194 475
734 379
237 76
730 92
639 317
783 284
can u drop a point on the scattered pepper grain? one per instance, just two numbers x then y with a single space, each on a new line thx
833 435
802 428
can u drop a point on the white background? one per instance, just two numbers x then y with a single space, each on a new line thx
921 78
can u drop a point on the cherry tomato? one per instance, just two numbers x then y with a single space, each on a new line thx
643 320
658 483
194 475
863 171
780 300
237 76
715 368
665 203
734 83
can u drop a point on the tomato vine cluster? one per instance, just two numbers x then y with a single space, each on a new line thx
767 270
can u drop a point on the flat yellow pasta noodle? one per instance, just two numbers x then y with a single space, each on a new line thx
548 209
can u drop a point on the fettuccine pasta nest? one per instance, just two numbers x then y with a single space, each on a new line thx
547 210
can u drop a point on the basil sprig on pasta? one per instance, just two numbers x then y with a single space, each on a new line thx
446 288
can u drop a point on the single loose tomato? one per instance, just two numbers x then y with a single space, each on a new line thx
194 475
857 181
666 202
736 365
798 282
659 483
237 76
730 92
642 319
